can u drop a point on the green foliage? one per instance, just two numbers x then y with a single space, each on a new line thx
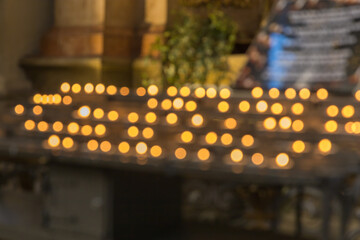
196 46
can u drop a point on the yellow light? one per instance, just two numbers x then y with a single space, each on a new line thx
331 126
152 103
37 98
111 90
180 153
290 93
84 112
67 100
257 159
285 123
113 115
65 87
57 126
247 140
57 99
37 110
223 106
166 104
150 117
172 91
148 133
297 109
100 130
133 117
244 106
348 111
54 141
357 95
50 99
197 120
274 93
124 91
203 154
269 123
211 93
105 146
348 127
43 126
124 147
211 138
298 125
73 128
226 139
298 146
277 108
355 127
141 91
29 125
19 109
190 106
92 145
141 148
76 88
171 118
332 111
98 113
186 137
230 123
225 93
236 155
325 145
178 103
153 90
86 130
68 142
282 160
100 88
156 151
133 131
185 91
261 106
89 88
200 92
44 99
322 94
304 93
257 92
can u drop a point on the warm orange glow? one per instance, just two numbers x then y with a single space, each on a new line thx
150 117
304 93
200 92
89 88
124 147
298 146
29 125
180 153
141 148
322 94
171 118
111 90
357 95
178 103
54 141
124 91
148 133
331 126
133 131
226 139
298 125
98 113
172 91
277 108
230 123
152 103
203 154
225 93
37 110
57 126
223 106
211 138
100 88
236 155
84 112
19 109
57 99
166 104
156 151
185 91
73 128
190 106
76 88
297 109
285 123
186 137
68 142
244 106
211 93
100 130
113 115
37 98
105 146
141 91
92 145
197 120
43 126
257 92
348 127
325 146
86 130
348 111
257 159
65 87
67 100
153 90
274 93
44 99
269 123
332 111
133 117
282 160
261 106
290 93
247 140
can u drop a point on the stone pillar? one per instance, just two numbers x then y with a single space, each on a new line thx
78 29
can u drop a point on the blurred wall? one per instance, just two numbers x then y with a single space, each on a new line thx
22 25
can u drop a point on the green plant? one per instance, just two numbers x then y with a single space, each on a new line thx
195 47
